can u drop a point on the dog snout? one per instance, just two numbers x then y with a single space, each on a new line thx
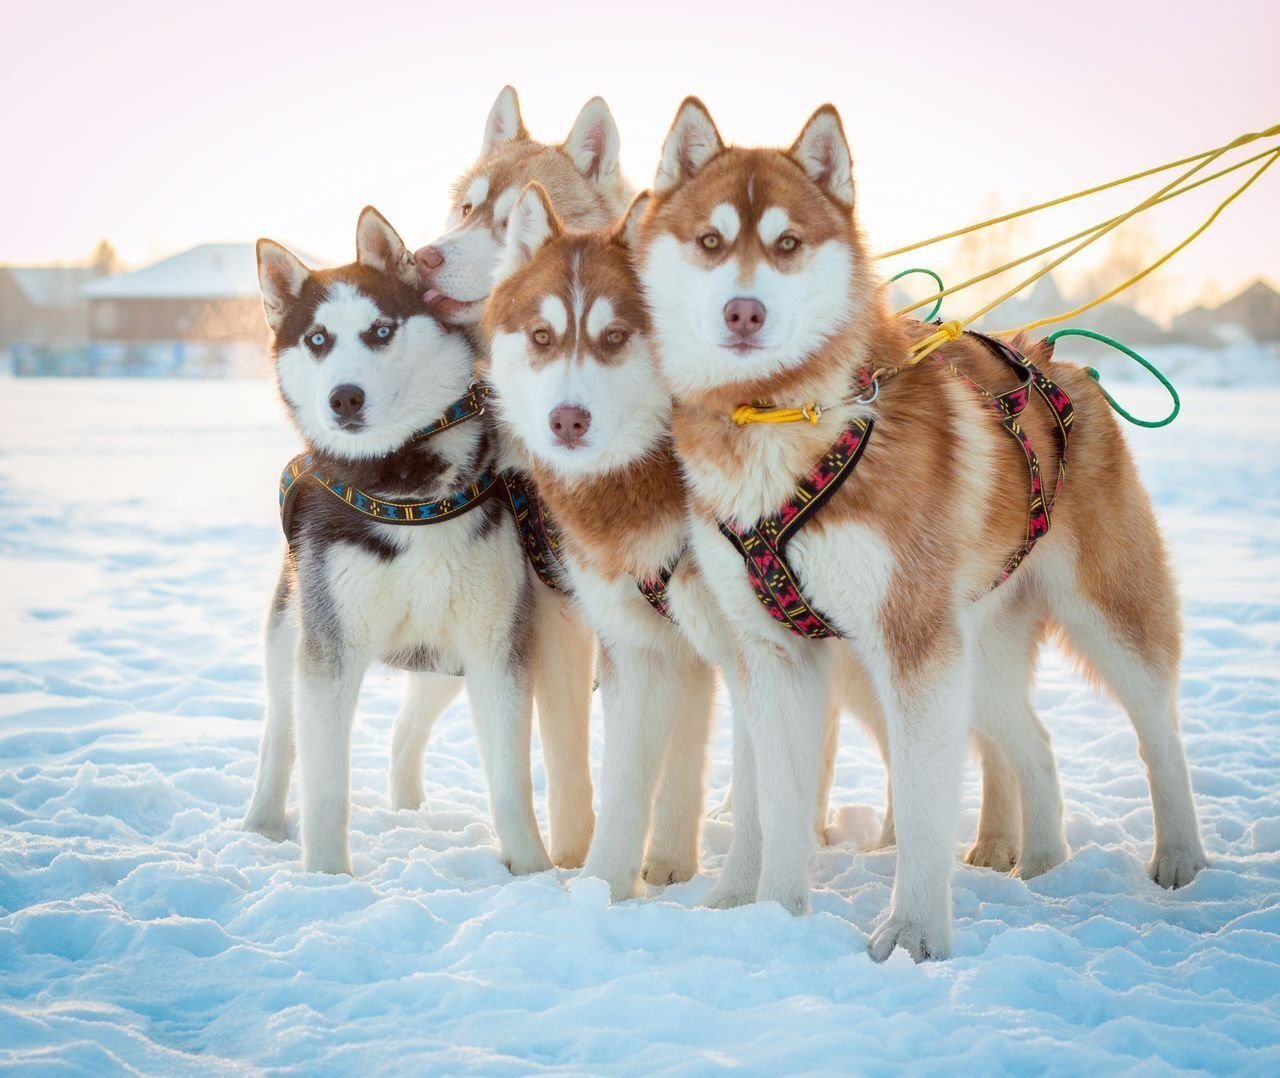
428 259
346 401
569 424
744 316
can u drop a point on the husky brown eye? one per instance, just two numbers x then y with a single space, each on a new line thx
542 337
788 243
466 209
710 241
615 337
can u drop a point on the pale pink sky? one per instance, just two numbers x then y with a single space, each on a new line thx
162 125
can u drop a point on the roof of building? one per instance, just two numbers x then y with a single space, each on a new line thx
51 286
209 271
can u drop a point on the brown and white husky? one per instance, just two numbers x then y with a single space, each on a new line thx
575 385
761 290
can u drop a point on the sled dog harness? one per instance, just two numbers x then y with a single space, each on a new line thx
542 543
538 533
305 466
763 545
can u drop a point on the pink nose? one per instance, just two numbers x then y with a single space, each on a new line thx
569 424
744 316
428 259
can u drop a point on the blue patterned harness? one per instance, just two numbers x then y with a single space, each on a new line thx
385 510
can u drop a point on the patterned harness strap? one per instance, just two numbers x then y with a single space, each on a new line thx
470 405
654 588
386 510
538 533
1008 406
763 546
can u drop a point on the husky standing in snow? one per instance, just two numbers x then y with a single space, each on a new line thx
400 549
575 385
770 330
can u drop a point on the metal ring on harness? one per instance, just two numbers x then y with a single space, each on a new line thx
873 394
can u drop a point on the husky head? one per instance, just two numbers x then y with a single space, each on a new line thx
361 366
581 174
571 363
750 258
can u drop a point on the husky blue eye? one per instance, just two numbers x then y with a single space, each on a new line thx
384 332
318 339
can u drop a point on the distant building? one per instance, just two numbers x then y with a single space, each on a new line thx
207 294
42 305
1254 314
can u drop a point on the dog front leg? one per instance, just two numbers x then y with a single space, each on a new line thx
927 714
641 705
676 838
328 688
786 712
562 691
741 872
502 707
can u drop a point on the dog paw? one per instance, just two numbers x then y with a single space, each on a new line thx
623 883
527 862
1036 862
661 871
569 858
920 939
407 799
268 826
728 897
997 852
794 898
570 842
1174 868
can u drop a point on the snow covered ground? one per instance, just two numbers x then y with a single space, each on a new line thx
139 928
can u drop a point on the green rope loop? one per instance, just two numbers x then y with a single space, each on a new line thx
941 288
1092 373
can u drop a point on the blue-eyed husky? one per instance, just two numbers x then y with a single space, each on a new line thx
399 548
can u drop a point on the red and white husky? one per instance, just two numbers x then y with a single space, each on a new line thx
760 289
581 174
576 386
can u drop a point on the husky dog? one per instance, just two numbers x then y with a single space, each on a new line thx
363 368
762 293
456 272
582 176
575 385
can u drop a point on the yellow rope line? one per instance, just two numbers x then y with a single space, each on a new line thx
1154 265
1210 155
950 331
1069 239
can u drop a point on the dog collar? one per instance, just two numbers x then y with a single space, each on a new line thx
306 466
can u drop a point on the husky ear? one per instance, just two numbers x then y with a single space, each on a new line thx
594 143
823 152
624 232
693 141
281 275
504 123
380 247
532 224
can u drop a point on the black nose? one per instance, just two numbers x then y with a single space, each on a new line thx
346 400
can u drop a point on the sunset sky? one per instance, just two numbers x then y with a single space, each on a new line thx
162 125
